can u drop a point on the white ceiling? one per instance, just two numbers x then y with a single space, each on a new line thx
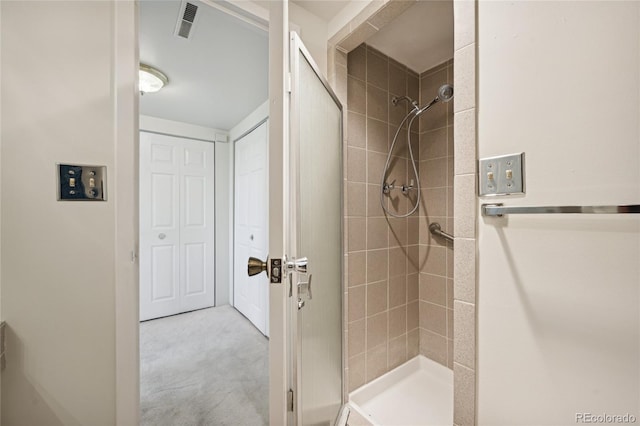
216 77
420 38
325 9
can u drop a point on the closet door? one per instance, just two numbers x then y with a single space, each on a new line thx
251 294
176 225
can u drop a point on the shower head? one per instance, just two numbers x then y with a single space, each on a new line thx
445 93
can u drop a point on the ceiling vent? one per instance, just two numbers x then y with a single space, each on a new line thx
186 19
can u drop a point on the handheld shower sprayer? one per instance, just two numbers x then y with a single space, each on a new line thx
445 94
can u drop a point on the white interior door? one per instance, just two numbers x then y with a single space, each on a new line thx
250 294
176 225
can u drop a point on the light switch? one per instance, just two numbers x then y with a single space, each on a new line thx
503 175
82 182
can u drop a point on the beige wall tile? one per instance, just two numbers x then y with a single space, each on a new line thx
357 62
377 103
433 289
397 291
433 173
357 302
450 323
376 298
356 199
397 79
398 173
413 315
464 334
357 234
413 343
464 270
433 318
374 209
465 142
413 259
450 353
377 138
465 78
413 87
377 233
377 69
434 203
413 236
433 144
356 130
357 268
397 113
356 95
412 287
433 346
465 23
450 293
434 260
356 332
377 333
464 397
397 321
465 206
377 265
358 35
397 351
397 262
357 368
376 362
356 167
398 233
375 166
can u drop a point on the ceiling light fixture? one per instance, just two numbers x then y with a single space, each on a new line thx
151 80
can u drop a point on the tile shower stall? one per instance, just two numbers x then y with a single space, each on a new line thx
400 277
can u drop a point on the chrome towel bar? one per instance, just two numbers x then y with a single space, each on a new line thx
500 210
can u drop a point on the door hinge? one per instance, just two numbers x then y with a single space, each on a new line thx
290 400
288 85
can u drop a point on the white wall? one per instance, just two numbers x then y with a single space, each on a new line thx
60 259
558 313
313 32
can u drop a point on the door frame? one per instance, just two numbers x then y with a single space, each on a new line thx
126 114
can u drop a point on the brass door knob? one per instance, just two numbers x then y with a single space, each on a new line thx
255 266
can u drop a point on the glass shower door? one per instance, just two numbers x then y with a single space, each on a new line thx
316 208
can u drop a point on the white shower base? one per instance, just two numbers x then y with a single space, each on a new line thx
419 392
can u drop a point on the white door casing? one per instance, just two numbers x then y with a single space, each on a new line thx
251 218
176 225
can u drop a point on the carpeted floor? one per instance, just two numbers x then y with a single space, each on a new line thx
207 367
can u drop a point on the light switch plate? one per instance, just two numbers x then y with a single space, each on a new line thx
503 175
82 182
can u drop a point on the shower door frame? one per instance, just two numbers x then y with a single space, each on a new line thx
297 49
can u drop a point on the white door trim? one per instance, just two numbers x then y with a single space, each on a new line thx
127 356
